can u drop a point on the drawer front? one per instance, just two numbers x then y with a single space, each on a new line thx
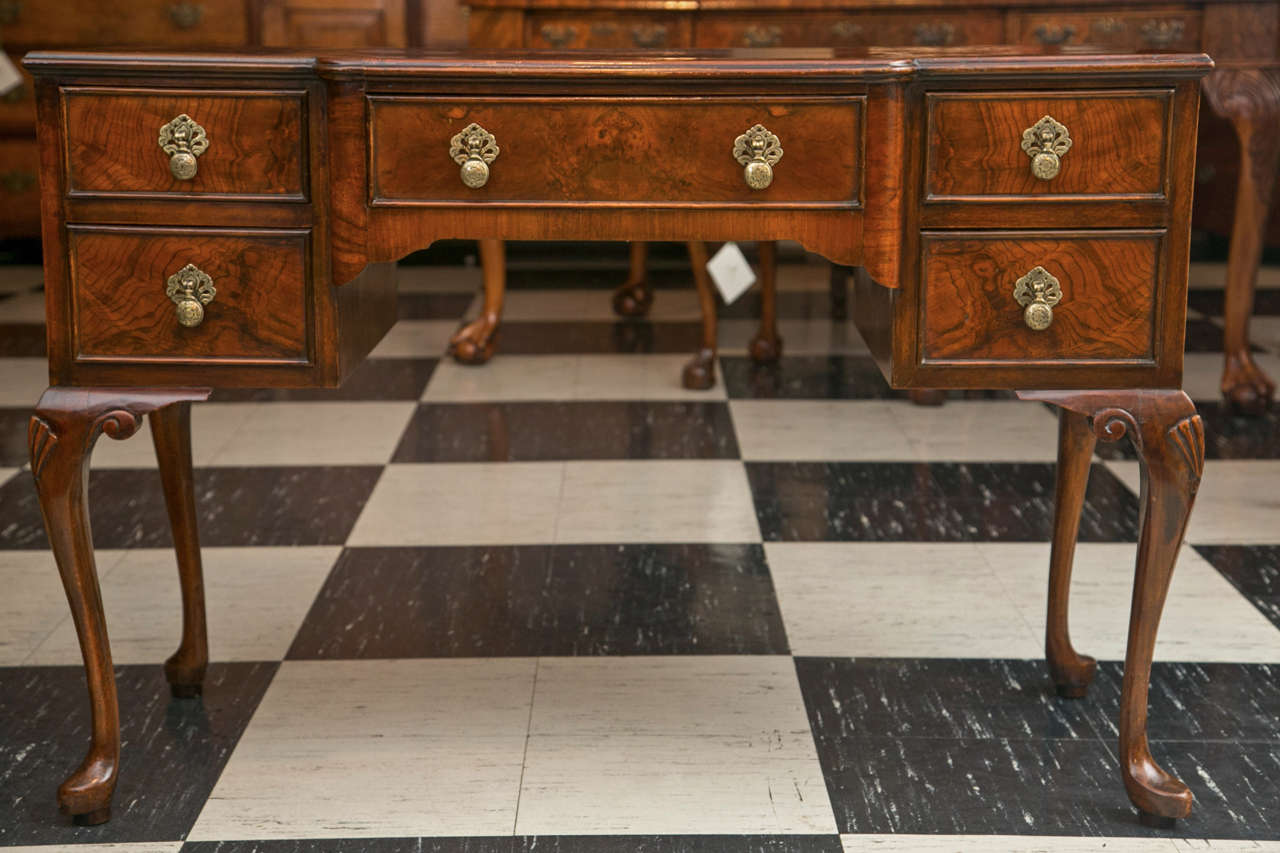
326 24
1106 313
18 106
606 31
589 150
843 30
154 23
1119 145
1173 28
259 311
256 143
19 188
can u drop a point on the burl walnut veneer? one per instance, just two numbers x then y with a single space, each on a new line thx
1018 222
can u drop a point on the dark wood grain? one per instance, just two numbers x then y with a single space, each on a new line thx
326 24
222 23
256 142
945 26
615 151
1116 27
260 312
19 186
1108 305
605 31
1120 144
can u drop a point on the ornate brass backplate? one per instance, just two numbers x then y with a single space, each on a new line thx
183 140
1046 142
190 289
473 150
758 151
1037 291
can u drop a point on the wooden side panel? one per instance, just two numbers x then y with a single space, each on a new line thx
256 142
607 30
600 151
496 29
932 28
1108 310
1110 27
261 311
208 23
326 24
1120 144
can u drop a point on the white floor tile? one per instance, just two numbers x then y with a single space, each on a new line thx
34 604
799 337
365 749
565 377
22 381
896 599
256 599
338 433
1238 501
416 339
979 431
819 430
1204 619
7 473
439 279
1202 373
671 745
1213 275
131 847
23 308
1264 330
17 278
1006 844
213 426
697 500
462 504
574 305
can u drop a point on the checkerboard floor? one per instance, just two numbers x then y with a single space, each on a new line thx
558 603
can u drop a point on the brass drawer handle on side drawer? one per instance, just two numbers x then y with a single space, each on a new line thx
190 289
1037 292
758 151
473 150
1046 142
183 140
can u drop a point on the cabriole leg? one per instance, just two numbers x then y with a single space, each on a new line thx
766 346
634 297
700 373
475 342
61 436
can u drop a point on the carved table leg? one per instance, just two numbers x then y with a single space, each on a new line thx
766 346
700 373
1250 100
63 430
475 342
634 297
1169 438
171 431
840 291
1071 672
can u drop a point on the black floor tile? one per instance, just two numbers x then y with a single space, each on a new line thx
1204 335
22 340
538 844
173 750
1226 436
587 337
819 377
544 600
527 432
434 306
357 845
939 698
603 278
1210 302
13 437
929 502
374 379
235 506
1252 569
792 305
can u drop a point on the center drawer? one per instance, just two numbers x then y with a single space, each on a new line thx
592 150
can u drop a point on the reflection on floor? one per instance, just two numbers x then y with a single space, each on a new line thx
558 603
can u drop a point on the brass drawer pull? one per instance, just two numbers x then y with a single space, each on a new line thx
758 151
649 35
186 15
758 36
1050 34
1037 292
190 289
1046 142
935 35
474 149
183 140
558 35
1162 34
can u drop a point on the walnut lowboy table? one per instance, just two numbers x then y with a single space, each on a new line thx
229 221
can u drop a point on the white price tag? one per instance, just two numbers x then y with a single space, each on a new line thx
731 273
9 76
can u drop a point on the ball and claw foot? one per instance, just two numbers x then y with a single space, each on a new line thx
765 349
633 299
1073 674
1246 389
186 691
475 342
700 373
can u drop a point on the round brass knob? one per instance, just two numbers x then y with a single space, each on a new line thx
1046 142
1046 165
473 150
1037 291
758 151
183 140
190 289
